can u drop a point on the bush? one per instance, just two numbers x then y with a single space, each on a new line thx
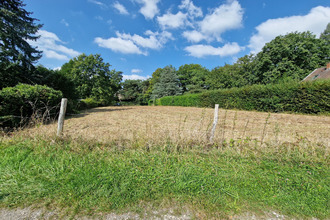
19 103
89 103
305 97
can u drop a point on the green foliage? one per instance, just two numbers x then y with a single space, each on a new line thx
88 178
12 73
325 35
93 78
55 79
184 100
292 56
22 101
168 83
16 28
134 91
237 75
286 58
89 103
307 97
192 78
152 82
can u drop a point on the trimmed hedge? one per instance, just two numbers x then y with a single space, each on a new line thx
22 101
304 97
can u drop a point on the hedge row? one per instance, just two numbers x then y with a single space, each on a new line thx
305 97
19 103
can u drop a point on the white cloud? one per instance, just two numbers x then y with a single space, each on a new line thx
52 46
315 21
101 4
170 20
134 76
194 36
132 44
118 45
226 17
193 11
57 68
136 71
54 55
121 8
201 50
150 42
149 8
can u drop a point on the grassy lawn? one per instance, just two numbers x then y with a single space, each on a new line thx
85 177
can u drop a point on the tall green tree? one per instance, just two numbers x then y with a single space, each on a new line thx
131 90
55 79
17 56
92 77
325 35
16 28
236 75
168 84
192 78
290 57
151 83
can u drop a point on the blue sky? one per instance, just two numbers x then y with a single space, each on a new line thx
139 36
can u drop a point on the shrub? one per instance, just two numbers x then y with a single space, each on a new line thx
305 97
89 103
19 103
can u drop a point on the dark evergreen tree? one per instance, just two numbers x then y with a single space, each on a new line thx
16 28
168 84
16 54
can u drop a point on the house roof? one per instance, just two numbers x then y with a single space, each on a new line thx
320 73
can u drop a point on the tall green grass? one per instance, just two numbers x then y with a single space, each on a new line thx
86 178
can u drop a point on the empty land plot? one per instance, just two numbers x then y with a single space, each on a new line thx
160 124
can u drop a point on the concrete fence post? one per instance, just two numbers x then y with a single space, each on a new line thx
61 117
215 122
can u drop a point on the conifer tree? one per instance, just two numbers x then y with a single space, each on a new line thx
168 84
16 29
17 56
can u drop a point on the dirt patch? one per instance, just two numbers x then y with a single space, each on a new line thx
38 214
43 214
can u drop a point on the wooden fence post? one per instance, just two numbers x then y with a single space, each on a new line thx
61 116
215 121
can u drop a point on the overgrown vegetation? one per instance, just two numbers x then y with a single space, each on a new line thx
308 97
18 104
85 178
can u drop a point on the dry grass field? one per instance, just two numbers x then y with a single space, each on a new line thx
146 125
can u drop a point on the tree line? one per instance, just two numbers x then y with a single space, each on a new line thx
85 76
289 57
286 58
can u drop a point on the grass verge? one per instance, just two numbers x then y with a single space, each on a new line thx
86 178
